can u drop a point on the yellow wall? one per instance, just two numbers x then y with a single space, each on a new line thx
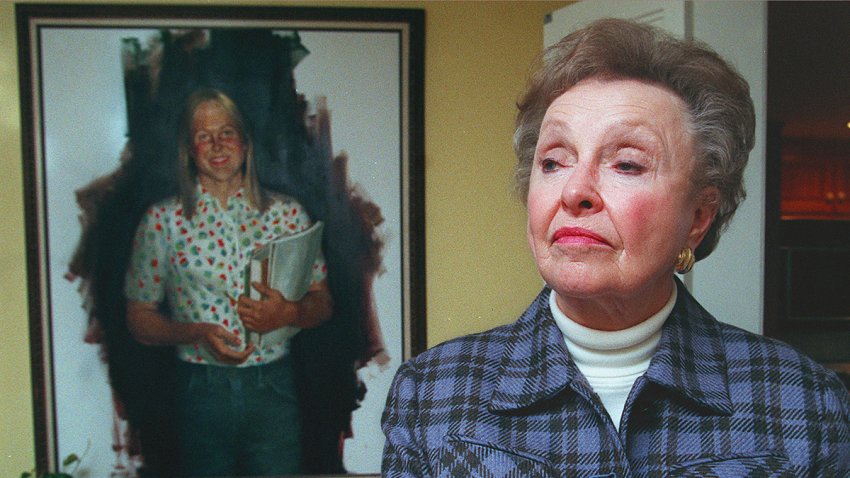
479 271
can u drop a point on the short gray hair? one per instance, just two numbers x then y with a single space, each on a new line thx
717 98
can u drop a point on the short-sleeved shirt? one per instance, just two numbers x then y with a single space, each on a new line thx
198 265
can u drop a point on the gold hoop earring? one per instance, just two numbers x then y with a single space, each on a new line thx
685 261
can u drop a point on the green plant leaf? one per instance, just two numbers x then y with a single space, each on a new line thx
70 459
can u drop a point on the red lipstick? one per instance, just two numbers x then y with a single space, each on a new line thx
577 235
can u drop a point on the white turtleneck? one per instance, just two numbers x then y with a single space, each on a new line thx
612 361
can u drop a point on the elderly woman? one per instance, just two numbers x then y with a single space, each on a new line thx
237 407
631 146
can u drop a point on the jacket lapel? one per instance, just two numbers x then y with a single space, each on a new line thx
690 360
535 365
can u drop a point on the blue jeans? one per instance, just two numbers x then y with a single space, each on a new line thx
238 421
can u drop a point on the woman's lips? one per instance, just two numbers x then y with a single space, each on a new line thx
219 160
577 235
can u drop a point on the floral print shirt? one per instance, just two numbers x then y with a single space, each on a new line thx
198 265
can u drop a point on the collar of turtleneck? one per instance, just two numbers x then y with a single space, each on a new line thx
612 361
614 353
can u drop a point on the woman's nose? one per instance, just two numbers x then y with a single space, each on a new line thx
580 194
217 143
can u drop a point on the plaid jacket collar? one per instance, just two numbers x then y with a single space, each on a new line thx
689 362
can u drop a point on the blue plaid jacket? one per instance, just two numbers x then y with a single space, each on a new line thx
716 401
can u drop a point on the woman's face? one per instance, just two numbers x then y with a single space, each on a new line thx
610 203
217 147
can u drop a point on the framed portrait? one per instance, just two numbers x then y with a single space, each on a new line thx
333 100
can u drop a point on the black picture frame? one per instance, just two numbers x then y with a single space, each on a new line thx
407 25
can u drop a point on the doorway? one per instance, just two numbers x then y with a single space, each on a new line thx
807 228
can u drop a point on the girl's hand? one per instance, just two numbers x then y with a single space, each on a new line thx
270 313
221 343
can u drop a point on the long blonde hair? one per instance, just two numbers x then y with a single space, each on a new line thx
187 171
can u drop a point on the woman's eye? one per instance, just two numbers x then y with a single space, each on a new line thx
548 164
630 160
228 133
628 167
202 138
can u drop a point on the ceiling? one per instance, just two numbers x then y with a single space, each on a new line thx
809 68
